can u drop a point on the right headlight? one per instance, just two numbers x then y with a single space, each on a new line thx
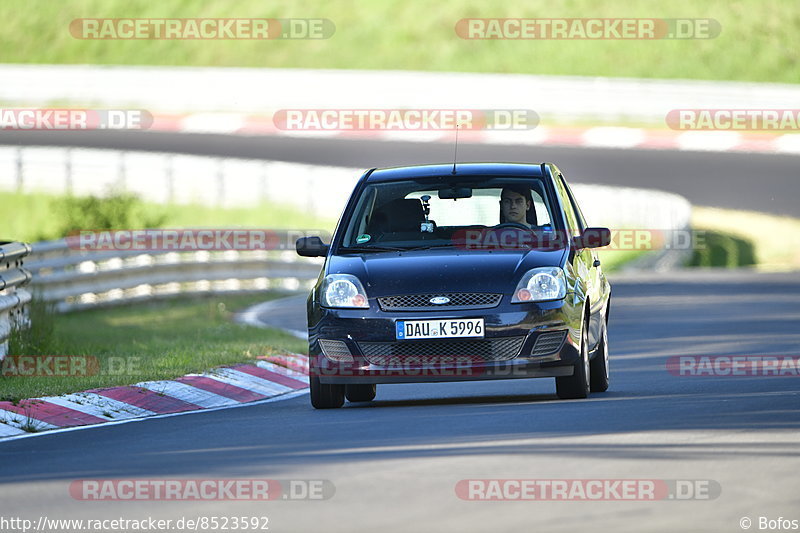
541 284
343 291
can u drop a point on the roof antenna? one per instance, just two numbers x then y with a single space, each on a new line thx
455 155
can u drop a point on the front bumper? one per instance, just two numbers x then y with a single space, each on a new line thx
368 352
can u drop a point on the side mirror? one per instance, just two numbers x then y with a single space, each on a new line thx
311 247
593 238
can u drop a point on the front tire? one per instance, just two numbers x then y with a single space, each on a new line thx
360 392
324 396
576 386
599 374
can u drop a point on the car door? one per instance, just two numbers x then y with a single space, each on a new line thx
583 261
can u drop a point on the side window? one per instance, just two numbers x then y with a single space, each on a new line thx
575 206
572 221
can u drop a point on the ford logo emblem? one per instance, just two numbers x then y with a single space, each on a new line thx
439 300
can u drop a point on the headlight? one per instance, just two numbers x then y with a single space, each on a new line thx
540 284
343 290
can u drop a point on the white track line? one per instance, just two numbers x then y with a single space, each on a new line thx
96 405
609 137
712 141
287 396
7 430
248 382
788 144
187 393
299 376
18 421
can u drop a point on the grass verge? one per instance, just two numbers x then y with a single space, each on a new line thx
747 238
31 217
613 260
153 341
385 34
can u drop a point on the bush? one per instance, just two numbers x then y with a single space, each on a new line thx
115 211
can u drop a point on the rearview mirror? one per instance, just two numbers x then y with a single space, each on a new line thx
593 238
311 247
455 192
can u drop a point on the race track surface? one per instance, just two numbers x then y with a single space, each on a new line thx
395 462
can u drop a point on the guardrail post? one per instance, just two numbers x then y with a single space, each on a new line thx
220 182
13 299
68 171
20 174
170 175
122 172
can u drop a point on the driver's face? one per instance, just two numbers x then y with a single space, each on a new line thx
515 207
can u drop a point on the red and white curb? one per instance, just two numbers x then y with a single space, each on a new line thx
589 137
270 377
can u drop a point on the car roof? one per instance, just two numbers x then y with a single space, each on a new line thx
462 169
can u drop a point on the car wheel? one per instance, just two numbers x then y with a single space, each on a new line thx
360 393
599 365
576 386
324 396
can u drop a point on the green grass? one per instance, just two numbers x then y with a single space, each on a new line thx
723 250
34 217
758 42
744 238
613 260
153 341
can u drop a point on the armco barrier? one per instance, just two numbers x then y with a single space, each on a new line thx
75 279
13 298
162 177
231 182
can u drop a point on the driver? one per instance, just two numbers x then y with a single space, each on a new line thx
515 202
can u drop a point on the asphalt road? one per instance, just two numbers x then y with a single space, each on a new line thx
395 462
758 182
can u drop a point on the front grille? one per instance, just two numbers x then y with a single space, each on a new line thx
441 352
335 350
422 302
547 343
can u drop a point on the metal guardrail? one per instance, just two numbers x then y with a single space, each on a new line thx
230 182
169 178
75 279
13 298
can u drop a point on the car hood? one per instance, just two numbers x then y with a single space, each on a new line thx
427 271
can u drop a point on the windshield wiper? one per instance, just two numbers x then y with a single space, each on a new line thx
429 246
358 249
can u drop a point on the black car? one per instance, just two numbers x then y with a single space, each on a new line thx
458 272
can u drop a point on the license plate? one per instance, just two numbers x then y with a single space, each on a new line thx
438 329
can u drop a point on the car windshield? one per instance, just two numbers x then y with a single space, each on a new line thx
420 214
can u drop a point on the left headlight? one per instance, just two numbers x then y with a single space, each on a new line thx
541 284
343 291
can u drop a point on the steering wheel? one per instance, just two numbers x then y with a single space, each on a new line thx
512 225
